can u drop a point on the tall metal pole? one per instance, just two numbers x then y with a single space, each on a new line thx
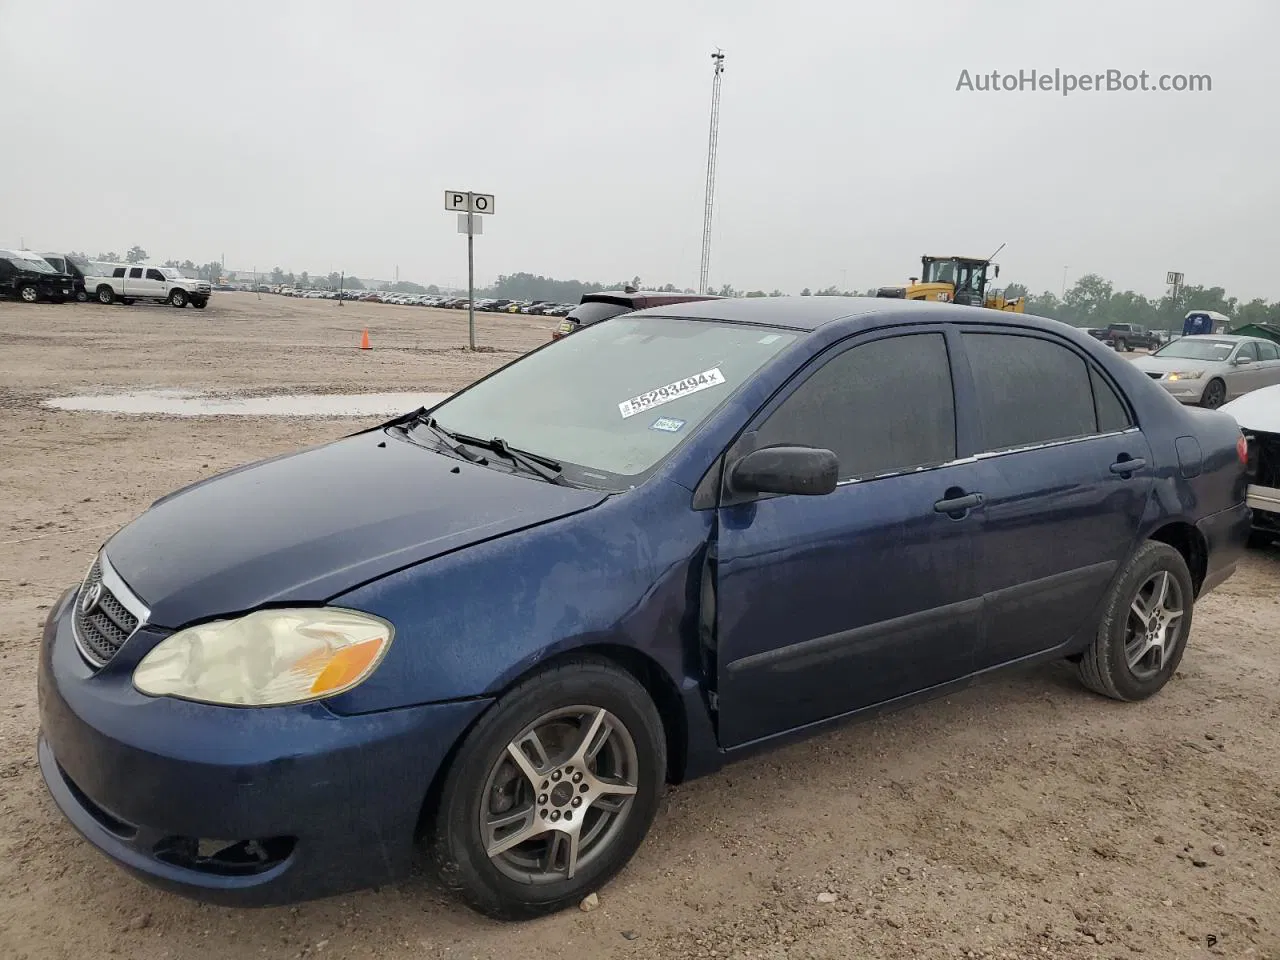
713 142
471 273
1064 282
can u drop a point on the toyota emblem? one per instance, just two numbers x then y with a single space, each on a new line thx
92 596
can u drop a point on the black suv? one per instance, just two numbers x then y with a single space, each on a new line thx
29 278
595 307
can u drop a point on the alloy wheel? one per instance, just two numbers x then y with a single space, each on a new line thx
1155 623
557 798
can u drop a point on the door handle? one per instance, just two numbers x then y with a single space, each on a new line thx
1128 466
961 504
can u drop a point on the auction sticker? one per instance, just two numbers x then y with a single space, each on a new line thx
672 391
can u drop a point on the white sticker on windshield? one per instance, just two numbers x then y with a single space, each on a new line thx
672 391
771 338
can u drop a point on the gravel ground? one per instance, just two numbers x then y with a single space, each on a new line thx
1022 818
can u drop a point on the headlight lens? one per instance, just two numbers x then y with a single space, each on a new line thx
266 658
1186 375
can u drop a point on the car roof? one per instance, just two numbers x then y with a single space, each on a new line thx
810 313
643 298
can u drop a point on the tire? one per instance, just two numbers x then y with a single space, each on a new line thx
127 301
178 298
1215 394
516 883
1110 666
106 295
199 304
28 293
82 296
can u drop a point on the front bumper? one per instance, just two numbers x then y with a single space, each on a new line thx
308 803
1185 391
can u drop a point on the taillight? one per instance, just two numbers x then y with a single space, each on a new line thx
1242 450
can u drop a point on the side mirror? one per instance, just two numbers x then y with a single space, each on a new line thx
996 268
1241 361
804 471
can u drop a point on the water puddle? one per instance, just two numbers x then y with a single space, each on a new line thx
192 403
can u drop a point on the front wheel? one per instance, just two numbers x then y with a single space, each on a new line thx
1144 628
82 296
106 295
127 301
199 304
1215 392
28 293
551 792
178 298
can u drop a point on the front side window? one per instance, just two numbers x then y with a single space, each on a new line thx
615 399
1032 391
155 275
118 272
1249 350
881 407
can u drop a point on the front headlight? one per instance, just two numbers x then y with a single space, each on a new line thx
266 658
1186 375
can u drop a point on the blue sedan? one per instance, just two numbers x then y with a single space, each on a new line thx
492 631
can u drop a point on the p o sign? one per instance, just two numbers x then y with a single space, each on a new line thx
463 201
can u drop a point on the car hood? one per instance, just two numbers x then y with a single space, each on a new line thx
1168 364
1258 410
305 527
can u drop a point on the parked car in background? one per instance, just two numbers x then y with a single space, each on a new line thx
29 277
83 271
164 284
1258 414
595 307
1210 369
497 627
1129 336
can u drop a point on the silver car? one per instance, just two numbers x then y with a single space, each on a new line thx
1210 369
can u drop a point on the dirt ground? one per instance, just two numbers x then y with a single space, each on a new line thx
1023 818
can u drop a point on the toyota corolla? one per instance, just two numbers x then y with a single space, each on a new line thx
491 631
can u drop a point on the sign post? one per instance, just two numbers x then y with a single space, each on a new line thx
467 205
1174 280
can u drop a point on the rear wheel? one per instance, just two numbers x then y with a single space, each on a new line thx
82 296
28 293
1144 627
1215 392
127 301
551 792
199 304
178 298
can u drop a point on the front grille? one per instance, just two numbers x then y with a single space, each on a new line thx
106 624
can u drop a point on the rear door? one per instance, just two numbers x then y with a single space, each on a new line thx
829 604
1071 476
133 285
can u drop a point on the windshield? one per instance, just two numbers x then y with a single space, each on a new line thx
35 266
613 400
1197 348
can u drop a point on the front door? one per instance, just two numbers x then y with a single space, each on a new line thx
1071 476
156 285
829 604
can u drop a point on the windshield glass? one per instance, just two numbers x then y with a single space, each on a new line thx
35 266
1197 348
613 400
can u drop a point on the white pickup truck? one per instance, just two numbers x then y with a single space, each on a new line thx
141 282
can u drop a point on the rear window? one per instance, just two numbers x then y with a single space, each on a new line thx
593 312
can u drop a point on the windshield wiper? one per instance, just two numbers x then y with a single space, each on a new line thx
447 439
544 467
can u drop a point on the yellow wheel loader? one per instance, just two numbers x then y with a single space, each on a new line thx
962 280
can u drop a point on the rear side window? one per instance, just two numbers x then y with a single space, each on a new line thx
882 407
1029 390
1113 415
1268 351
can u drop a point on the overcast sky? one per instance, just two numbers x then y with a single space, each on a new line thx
311 135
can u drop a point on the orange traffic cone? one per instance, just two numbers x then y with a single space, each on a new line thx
364 340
